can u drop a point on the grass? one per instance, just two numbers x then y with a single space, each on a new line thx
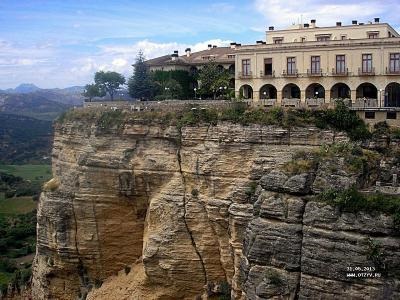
34 173
19 205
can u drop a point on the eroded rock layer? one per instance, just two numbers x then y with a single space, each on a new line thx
178 205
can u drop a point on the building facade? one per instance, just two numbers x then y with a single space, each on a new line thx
309 65
193 62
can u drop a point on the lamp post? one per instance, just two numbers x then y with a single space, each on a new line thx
380 97
265 94
195 94
316 95
166 90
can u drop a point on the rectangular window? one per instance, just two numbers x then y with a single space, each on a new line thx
370 115
340 64
323 38
315 64
373 35
278 41
291 65
367 63
246 71
391 115
394 63
268 66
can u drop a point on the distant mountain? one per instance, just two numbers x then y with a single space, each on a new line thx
26 88
32 104
71 96
24 139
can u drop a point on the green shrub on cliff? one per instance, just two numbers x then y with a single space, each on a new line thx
351 200
111 119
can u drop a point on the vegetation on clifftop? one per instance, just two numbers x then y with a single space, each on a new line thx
351 200
340 118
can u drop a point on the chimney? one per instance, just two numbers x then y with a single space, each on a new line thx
376 20
238 45
360 23
306 25
174 56
271 28
188 52
215 46
209 46
338 24
313 23
354 22
259 42
233 45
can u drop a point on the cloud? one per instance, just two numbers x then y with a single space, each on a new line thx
50 66
285 13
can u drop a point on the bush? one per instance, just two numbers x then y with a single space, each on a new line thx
195 193
127 270
274 278
111 119
353 201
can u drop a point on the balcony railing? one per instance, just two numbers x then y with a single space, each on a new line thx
362 72
365 102
314 72
246 74
290 73
390 71
315 102
262 74
291 102
340 72
268 102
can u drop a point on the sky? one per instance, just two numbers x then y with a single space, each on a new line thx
63 43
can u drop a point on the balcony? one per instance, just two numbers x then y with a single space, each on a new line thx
314 73
243 75
370 72
290 73
267 75
340 72
391 71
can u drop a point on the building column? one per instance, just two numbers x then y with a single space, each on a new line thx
353 96
256 96
279 98
327 96
303 98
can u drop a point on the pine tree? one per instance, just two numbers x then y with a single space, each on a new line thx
140 84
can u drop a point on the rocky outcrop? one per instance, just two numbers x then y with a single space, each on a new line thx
179 206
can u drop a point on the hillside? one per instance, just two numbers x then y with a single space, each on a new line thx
24 139
31 105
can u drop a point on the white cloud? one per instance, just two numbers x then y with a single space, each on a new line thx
284 13
47 67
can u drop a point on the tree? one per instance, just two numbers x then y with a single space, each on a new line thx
93 90
211 79
109 81
140 84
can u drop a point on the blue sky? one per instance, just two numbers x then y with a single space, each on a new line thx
63 43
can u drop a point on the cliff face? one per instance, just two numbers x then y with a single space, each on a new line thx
179 208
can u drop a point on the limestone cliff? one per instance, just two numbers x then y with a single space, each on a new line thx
176 209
